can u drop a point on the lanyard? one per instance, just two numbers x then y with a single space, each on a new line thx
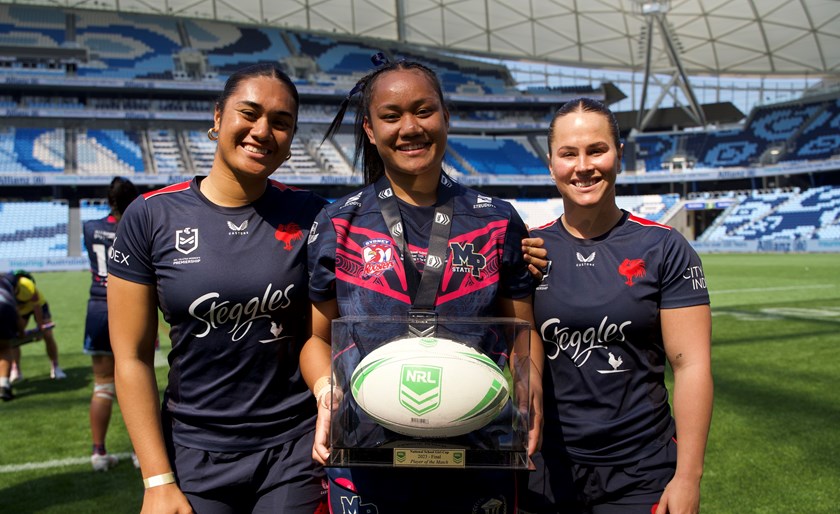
423 295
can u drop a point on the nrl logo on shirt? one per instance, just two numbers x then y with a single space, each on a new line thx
186 240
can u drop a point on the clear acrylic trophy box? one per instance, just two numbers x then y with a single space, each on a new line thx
442 392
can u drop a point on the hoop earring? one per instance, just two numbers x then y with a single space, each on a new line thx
212 134
288 156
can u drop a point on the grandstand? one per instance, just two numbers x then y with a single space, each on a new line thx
89 94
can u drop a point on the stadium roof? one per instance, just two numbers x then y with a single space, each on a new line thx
719 37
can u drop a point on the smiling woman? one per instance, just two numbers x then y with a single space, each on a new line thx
413 239
224 258
623 297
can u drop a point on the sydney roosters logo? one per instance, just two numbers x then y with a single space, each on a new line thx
379 257
288 233
630 269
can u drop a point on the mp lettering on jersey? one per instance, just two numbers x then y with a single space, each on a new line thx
695 275
579 344
466 260
215 314
353 505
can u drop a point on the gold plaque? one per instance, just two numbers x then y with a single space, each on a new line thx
429 458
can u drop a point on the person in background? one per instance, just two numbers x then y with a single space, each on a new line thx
401 134
224 258
8 332
32 304
623 297
98 238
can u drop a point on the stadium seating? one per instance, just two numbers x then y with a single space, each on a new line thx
30 229
766 216
334 57
820 139
229 47
126 45
109 152
652 207
27 150
800 131
166 152
499 156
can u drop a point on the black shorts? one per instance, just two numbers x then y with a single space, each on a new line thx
416 491
97 339
558 485
282 479
8 318
44 308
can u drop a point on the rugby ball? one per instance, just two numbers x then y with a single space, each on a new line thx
429 387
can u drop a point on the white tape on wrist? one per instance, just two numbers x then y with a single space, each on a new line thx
163 479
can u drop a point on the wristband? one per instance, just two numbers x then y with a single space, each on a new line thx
163 479
322 388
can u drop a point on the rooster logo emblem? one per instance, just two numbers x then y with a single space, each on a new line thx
288 233
630 269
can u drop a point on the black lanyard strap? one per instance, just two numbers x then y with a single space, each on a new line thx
424 294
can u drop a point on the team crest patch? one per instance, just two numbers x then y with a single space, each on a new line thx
288 234
378 255
186 240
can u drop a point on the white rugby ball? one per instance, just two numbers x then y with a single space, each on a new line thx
429 387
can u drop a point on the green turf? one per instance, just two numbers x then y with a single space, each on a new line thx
773 446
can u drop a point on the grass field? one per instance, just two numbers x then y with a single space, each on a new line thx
773 447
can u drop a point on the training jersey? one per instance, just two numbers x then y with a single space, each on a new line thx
597 311
232 284
98 236
28 296
354 259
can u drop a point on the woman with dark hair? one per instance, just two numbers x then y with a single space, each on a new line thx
224 258
413 212
98 238
624 297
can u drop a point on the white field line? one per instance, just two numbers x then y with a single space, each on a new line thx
60 463
766 289
160 361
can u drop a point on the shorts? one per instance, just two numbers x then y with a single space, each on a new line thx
415 491
281 479
8 319
559 485
44 308
97 338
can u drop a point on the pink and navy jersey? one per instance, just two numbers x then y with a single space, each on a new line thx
597 312
232 284
354 259
99 237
